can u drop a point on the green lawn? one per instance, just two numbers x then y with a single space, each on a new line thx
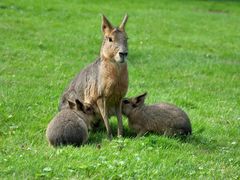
183 52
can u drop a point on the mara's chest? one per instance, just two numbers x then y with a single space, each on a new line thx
113 80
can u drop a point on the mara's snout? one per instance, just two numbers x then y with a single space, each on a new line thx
123 56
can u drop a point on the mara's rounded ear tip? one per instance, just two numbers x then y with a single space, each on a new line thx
144 94
71 104
78 102
105 19
69 101
123 23
103 16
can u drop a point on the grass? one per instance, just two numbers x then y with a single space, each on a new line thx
186 53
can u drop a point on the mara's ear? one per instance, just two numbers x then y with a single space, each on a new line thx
124 21
80 105
86 108
106 25
139 100
71 104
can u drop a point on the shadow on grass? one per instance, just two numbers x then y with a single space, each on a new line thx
98 134
200 140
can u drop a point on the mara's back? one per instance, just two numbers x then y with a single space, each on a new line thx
83 86
67 128
168 119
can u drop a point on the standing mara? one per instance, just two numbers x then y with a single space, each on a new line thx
104 83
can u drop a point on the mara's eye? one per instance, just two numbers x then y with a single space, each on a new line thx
110 39
125 101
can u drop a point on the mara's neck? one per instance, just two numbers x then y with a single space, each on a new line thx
138 110
113 63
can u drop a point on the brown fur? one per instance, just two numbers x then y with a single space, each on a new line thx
160 118
70 126
104 83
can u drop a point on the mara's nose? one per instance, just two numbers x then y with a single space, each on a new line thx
123 54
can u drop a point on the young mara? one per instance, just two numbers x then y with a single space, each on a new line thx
70 126
163 118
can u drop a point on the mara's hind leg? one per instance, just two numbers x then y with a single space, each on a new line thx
118 109
141 133
102 108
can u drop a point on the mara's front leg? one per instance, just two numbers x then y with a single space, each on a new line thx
118 109
101 103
